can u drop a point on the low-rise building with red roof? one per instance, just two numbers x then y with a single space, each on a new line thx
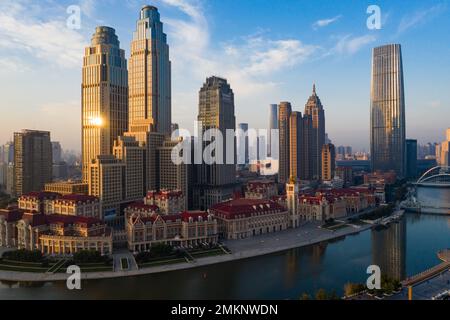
168 201
243 218
186 229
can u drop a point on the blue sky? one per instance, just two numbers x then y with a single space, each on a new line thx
270 51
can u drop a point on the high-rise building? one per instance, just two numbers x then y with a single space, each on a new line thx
32 161
388 110
216 111
106 181
132 154
8 153
242 143
284 115
150 75
328 162
273 125
104 96
314 109
296 145
56 152
173 176
411 158
443 151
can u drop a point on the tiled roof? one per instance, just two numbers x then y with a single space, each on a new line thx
44 195
140 205
245 208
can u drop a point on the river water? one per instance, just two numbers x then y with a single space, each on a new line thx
403 249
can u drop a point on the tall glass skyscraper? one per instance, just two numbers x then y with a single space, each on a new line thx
387 136
104 96
273 125
150 75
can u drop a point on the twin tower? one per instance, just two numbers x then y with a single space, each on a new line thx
119 100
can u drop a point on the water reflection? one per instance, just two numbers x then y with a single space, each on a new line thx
389 250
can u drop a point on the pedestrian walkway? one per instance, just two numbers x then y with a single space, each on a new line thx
117 257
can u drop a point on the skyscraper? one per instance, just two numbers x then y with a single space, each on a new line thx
56 152
243 143
387 138
104 96
273 125
32 161
216 111
314 109
150 75
284 115
328 162
295 145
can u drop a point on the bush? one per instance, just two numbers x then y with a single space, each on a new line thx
353 288
159 250
23 255
89 256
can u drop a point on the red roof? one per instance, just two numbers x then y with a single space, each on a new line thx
78 198
194 215
245 207
44 195
38 219
164 194
140 205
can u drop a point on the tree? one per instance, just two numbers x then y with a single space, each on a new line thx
353 288
305 296
321 294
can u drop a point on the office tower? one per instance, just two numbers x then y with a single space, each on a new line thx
32 161
314 109
106 181
328 162
284 115
132 155
243 144
3 172
56 152
10 179
150 75
388 110
173 176
411 158
348 152
296 145
8 153
216 111
273 125
443 151
104 96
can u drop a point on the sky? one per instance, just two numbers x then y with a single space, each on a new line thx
270 51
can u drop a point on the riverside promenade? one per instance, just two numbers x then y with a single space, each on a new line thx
306 235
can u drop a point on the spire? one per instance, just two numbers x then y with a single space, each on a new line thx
314 89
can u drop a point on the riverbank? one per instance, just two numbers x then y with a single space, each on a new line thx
306 235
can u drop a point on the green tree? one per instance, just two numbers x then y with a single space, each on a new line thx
305 296
321 294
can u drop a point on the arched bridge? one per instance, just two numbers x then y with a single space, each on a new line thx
435 177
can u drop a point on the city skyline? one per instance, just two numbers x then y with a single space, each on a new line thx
309 60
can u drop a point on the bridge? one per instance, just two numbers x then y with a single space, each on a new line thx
435 177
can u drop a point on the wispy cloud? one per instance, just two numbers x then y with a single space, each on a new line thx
325 22
48 40
417 18
350 45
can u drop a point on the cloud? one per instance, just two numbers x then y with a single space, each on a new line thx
325 22
48 40
350 45
13 64
419 17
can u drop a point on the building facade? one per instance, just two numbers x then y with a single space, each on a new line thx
104 96
215 179
67 187
167 201
328 162
411 158
150 76
187 229
388 110
284 115
315 111
32 161
244 218
273 125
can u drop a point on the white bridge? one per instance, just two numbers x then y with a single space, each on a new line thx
435 177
